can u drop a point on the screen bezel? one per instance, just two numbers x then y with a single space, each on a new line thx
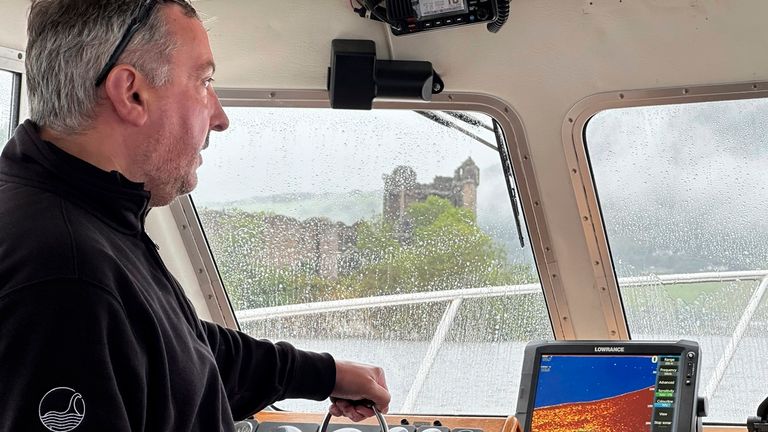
684 414
419 17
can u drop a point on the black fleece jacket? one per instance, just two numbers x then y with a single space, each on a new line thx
95 333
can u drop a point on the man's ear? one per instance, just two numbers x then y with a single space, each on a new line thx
127 91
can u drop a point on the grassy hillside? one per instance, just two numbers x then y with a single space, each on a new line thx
343 207
494 211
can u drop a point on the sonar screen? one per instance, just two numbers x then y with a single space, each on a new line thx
609 387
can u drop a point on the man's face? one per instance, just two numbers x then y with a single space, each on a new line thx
183 113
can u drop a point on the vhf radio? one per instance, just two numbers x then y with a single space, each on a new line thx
413 16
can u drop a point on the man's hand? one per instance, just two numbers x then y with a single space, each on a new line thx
356 385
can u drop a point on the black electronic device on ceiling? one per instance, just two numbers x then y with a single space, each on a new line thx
413 16
356 77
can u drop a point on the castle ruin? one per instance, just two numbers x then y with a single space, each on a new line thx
327 248
401 190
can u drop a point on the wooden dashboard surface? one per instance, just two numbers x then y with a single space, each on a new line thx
487 424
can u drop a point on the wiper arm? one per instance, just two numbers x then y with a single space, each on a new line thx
468 119
451 125
500 147
506 166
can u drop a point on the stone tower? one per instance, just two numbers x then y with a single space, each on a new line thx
401 190
466 179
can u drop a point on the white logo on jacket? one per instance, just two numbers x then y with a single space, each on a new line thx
61 409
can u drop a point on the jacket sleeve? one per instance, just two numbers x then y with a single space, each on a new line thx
68 358
257 373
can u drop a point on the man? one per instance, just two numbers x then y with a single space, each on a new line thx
96 333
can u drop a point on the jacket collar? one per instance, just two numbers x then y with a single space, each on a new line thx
117 201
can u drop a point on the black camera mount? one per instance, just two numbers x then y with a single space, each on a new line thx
355 77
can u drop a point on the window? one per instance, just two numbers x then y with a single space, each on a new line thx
378 236
8 104
684 199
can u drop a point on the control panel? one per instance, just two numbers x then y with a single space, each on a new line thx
411 16
283 421
254 426
690 367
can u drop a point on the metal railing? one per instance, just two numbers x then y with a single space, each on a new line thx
455 299
383 301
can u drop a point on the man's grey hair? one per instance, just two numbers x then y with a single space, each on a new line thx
70 41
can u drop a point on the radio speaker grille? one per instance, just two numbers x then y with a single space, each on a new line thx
398 10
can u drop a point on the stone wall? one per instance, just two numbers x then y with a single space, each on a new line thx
319 244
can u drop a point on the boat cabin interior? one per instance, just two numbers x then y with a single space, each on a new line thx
433 185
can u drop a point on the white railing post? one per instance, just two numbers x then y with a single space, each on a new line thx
429 358
733 343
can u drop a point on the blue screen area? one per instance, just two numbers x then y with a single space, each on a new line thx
570 378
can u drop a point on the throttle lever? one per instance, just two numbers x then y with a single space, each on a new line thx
379 417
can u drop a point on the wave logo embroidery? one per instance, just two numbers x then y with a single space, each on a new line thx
62 409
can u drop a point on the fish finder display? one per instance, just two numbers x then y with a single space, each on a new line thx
588 393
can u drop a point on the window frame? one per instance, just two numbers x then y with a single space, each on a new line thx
584 188
523 171
12 60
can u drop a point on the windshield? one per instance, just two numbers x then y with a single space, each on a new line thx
383 237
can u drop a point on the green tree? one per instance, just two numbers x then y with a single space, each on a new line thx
235 237
444 249
240 247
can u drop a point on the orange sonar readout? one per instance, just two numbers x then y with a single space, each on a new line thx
625 393
629 412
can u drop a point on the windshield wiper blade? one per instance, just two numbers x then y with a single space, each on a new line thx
506 165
